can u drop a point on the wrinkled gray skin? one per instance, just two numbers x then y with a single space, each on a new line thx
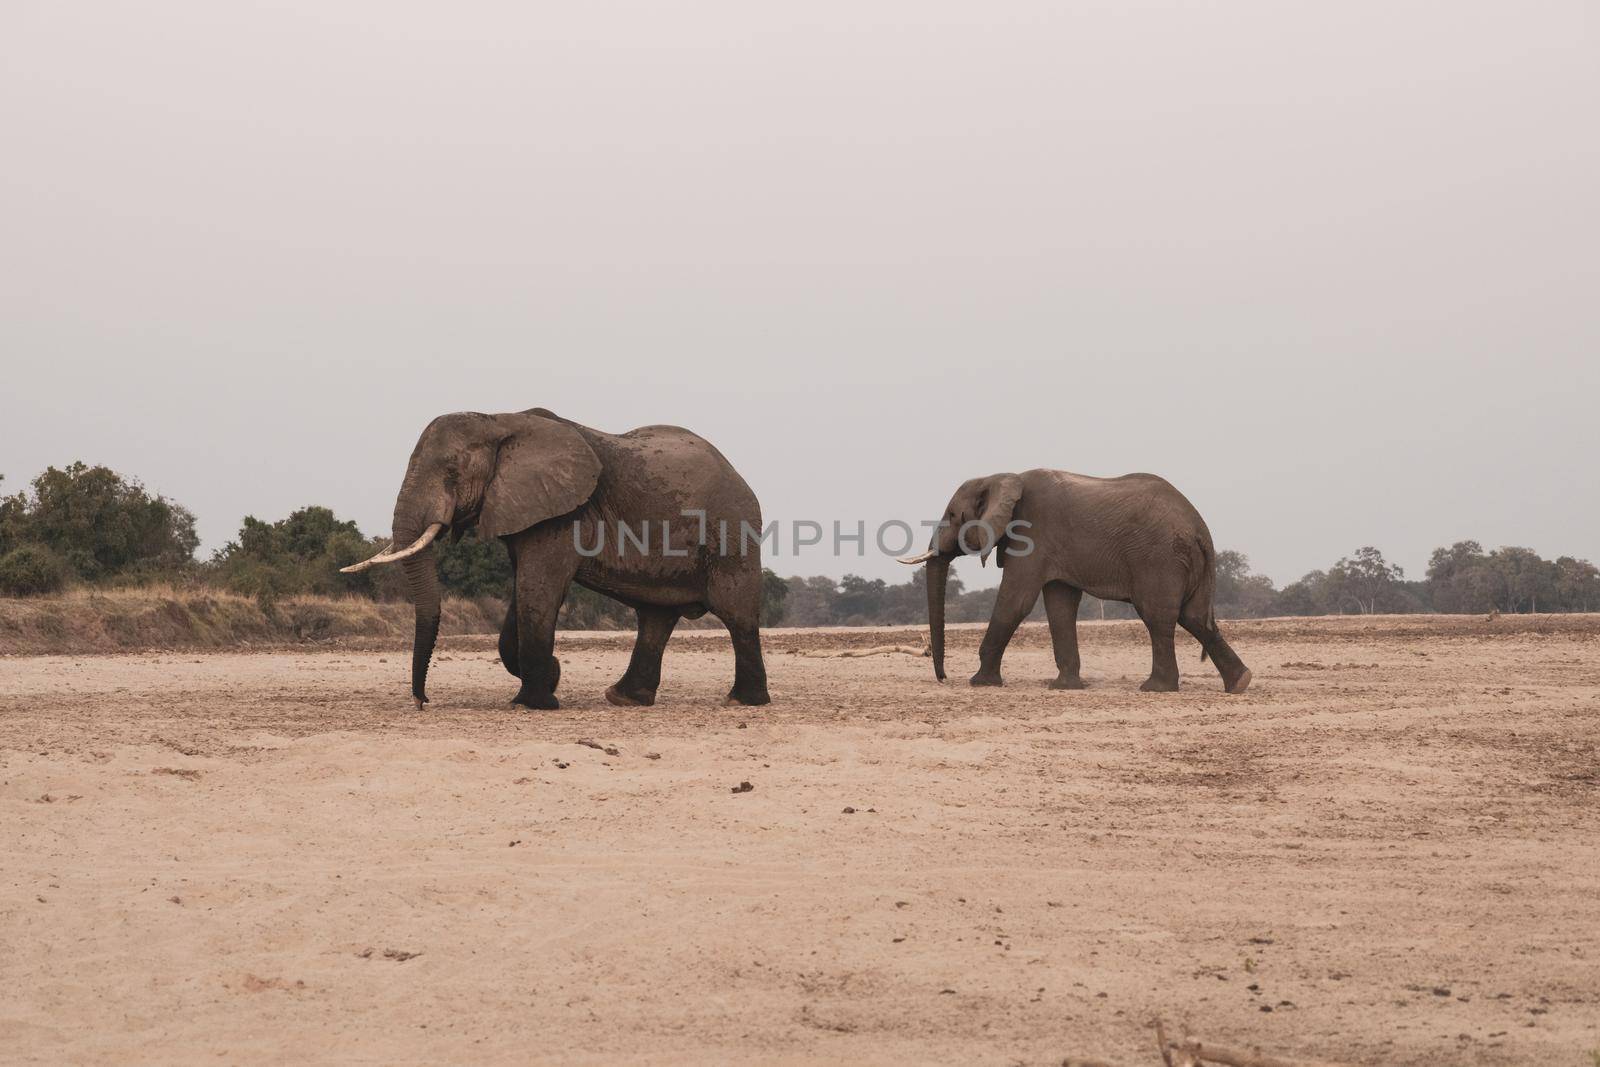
528 478
1133 538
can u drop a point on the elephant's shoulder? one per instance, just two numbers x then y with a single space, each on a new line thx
1044 478
1072 483
1141 477
661 428
1138 480
663 434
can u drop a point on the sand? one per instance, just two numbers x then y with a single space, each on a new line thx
1385 852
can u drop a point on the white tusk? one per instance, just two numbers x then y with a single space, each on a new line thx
357 568
389 555
914 560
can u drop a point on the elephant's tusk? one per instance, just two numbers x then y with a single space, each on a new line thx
389 555
357 568
914 560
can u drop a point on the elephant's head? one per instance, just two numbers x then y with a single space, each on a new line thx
974 524
501 473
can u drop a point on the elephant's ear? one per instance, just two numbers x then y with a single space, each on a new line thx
543 469
1000 496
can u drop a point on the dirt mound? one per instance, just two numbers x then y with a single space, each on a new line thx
87 622
134 620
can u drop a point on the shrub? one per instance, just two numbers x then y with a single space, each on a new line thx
100 522
31 570
299 554
474 566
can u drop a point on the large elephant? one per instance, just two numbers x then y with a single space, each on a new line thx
1134 538
640 516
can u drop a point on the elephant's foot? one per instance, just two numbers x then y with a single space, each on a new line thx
985 678
624 697
752 699
1068 682
536 700
1239 684
1154 684
516 672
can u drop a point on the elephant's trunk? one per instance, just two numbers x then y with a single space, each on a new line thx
938 575
422 579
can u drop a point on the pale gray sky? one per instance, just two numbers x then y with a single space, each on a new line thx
1330 268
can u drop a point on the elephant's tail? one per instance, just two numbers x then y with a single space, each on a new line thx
1203 596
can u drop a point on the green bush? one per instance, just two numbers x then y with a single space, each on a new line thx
299 554
99 523
474 566
31 570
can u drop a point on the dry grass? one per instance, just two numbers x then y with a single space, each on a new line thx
164 616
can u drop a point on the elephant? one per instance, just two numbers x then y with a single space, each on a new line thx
1133 538
626 515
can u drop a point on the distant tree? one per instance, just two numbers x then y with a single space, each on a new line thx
810 601
1239 592
774 591
1525 578
99 523
907 603
859 601
1365 578
1445 563
1577 583
1460 579
1307 596
1411 597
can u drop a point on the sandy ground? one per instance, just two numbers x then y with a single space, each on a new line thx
1385 852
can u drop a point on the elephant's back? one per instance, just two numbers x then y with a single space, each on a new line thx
674 441
679 463
1139 483
1142 496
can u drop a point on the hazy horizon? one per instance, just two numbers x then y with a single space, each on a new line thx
1330 270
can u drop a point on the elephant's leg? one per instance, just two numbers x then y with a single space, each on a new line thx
508 641
1235 675
541 586
735 598
510 656
1061 608
1161 622
749 670
1019 591
643 676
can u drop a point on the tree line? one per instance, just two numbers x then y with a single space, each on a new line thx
1461 579
89 525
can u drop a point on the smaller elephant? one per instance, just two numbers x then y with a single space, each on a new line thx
1133 538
